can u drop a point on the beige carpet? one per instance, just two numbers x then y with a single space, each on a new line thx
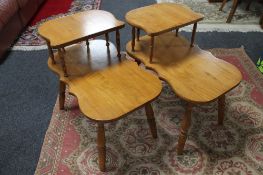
215 20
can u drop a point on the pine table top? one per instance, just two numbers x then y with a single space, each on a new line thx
195 75
77 27
162 17
105 87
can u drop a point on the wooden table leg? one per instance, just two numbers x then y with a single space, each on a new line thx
61 56
133 38
185 124
138 34
138 62
118 42
232 11
87 44
62 88
223 4
101 146
177 31
221 109
107 39
248 5
151 119
261 21
193 34
151 48
51 54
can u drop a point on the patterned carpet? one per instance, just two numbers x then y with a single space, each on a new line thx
233 149
215 20
30 36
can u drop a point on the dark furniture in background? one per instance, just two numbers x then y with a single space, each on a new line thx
215 0
233 9
14 16
261 21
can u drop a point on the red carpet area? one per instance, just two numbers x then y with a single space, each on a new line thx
234 148
50 8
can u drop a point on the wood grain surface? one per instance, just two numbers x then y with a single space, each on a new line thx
105 87
78 27
162 17
195 75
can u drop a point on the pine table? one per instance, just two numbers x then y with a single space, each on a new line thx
196 76
82 26
160 18
106 84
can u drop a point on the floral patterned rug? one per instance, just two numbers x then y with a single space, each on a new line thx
236 148
215 20
30 36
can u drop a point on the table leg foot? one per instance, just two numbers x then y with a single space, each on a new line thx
151 119
185 124
101 146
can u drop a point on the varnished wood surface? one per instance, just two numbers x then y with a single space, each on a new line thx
106 89
162 17
195 75
73 28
